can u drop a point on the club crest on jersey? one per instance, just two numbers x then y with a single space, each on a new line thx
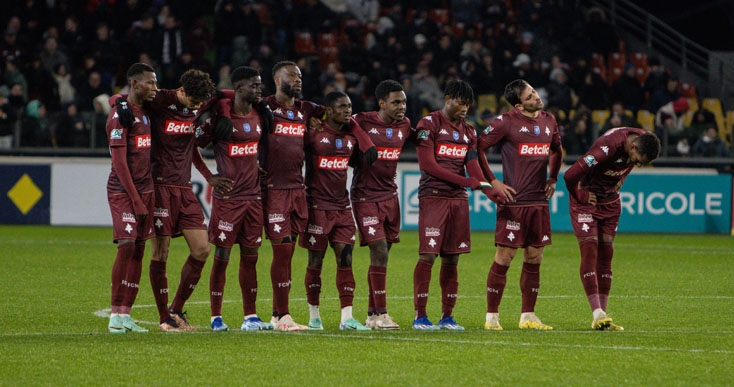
116 134
186 110
455 135
145 120
388 132
290 114
246 127
536 130
338 143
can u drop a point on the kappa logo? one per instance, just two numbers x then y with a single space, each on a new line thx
524 129
443 131
276 218
325 140
433 231
374 131
605 149
512 225
225 226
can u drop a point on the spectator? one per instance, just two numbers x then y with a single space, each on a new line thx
72 129
422 24
13 76
51 55
601 33
656 79
249 23
10 47
619 117
106 51
36 129
467 11
314 16
169 45
72 41
41 84
141 37
594 92
91 89
710 145
559 93
66 91
426 87
8 118
17 98
702 120
486 78
670 127
628 89
580 133
198 41
664 95
284 19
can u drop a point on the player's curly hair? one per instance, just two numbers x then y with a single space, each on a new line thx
513 91
281 64
648 145
386 87
461 90
242 73
197 85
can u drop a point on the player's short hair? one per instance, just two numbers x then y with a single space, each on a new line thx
648 145
138 69
386 87
461 90
242 73
281 64
513 91
197 85
331 98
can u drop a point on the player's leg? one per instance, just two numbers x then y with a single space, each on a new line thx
198 242
432 216
421 287
132 285
604 273
448 279
345 285
377 280
159 281
529 288
312 281
496 282
217 282
125 252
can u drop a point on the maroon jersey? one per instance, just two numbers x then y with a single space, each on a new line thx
137 141
327 159
377 182
283 159
525 144
173 132
450 144
237 157
605 164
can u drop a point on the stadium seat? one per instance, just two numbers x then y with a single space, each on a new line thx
639 59
599 117
692 104
597 60
440 16
641 73
601 71
714 106
304 44
646 119
614 74
328 54
327 39
487 102
728 134
687 89
459 29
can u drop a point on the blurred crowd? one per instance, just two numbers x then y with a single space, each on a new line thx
61 59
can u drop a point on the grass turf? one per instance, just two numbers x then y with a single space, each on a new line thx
672 293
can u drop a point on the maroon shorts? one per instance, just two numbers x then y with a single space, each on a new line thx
377 220
286 212
443 226
176 209
124 224
590 220
324 226
236 221
523 226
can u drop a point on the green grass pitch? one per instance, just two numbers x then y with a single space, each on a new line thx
672 293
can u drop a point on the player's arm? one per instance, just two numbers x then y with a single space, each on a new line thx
475 171
219 182
573 177
554 163
429 165
366 150
484 142
118 151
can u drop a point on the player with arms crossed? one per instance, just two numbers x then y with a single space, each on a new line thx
593 184
447 149
330 220
237 213
529 142
374 194
177 210
130 196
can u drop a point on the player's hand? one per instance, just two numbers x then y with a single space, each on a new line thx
505 190
141 212
315 124
618 186
266 115
370 156
223 128
550 188
473 183
220 183
592 198
495 195
262 172
124 113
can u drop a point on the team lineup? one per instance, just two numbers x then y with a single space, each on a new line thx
262 146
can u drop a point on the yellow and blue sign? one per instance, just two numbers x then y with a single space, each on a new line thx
26 194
